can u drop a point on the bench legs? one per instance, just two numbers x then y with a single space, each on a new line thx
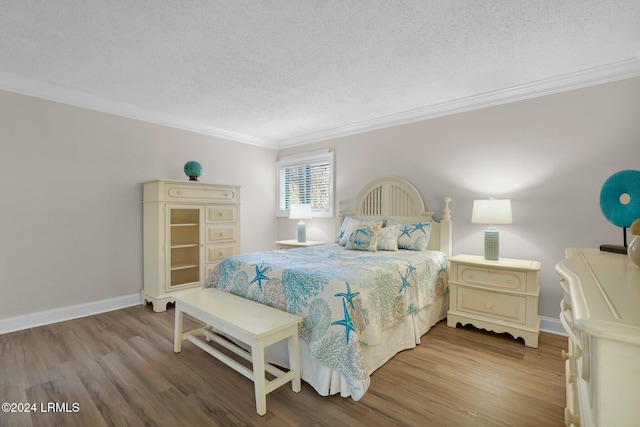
177 329
262 386
294 361
256 356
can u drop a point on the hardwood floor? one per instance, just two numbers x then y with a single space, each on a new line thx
119 369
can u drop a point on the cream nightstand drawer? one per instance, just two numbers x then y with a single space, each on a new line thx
508 307
221 233
492 278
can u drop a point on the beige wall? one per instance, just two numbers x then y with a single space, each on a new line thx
71 216
71 228
550 155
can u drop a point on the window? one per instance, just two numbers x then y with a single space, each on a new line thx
306 178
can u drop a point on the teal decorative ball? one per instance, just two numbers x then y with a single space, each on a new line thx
193 170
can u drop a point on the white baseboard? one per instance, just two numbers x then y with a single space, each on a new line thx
61 314
18 323
551 325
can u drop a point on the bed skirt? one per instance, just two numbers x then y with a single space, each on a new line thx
403 336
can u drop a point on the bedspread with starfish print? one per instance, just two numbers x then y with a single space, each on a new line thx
346 297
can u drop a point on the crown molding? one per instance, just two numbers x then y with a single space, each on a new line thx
23 86
593 76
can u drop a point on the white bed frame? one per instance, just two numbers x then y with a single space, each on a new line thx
395 198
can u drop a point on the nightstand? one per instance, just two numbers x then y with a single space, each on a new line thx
499 296
290 244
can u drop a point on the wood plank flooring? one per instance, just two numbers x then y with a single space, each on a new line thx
119 369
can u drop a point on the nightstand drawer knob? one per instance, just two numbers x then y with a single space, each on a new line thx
222 233
488 305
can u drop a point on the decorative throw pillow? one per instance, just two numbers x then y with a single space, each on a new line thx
413 236
388 238
343 229
355 223
363 238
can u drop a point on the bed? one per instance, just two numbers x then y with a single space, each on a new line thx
367 296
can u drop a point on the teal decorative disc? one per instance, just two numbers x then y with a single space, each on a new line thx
620 198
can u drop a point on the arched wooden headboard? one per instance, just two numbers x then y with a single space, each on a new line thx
391 197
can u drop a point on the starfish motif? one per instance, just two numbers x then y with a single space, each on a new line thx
410 269
405 231
411 309
260 276
420 226
405 282
348 296
443 266
347 322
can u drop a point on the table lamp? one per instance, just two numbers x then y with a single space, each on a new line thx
492 212
301 211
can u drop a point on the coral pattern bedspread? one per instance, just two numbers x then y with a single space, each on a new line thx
347 297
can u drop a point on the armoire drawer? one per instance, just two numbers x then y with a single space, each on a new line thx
219 252
221 233
221 213
500 306
195 192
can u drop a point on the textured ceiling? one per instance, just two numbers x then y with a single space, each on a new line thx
278 72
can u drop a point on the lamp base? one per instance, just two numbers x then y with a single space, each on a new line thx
302 232
491 243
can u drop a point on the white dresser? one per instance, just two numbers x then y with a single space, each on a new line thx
188 228
601 314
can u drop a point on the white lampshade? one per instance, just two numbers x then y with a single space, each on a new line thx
492 211
300 211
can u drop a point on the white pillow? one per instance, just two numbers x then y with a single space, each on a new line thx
343 228
413 236
388 238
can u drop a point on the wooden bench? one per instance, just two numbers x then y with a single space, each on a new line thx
248 321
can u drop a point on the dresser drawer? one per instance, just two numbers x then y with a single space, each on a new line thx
219 252
512 280
221 233
507 307
199 192
221 213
